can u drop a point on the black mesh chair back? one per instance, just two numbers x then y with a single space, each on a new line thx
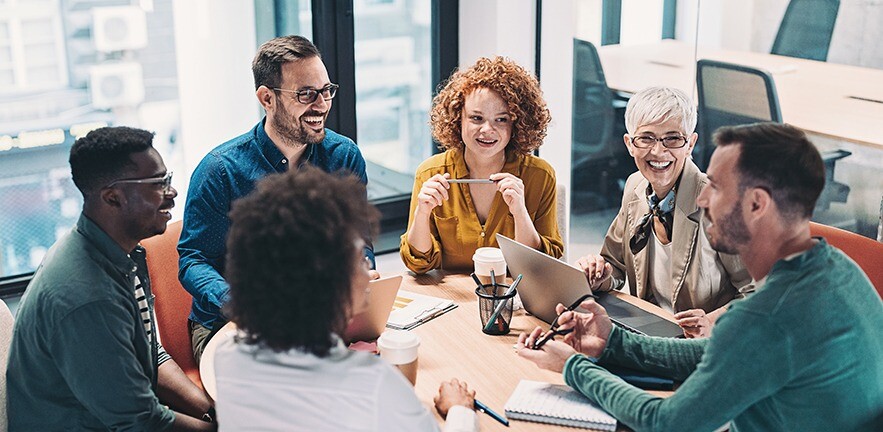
729 95
593 113
600 160
806 29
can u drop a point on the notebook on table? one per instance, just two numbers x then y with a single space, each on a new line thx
556 404
411 309
548 281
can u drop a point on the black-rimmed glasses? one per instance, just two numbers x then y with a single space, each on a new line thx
670 141
553 329
309 96
165 182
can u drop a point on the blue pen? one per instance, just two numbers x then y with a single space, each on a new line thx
483 408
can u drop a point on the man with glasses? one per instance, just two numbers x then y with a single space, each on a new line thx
85 354
656 242
293 87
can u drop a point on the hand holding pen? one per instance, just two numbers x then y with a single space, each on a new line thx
554 328
455 392
585 333
434 191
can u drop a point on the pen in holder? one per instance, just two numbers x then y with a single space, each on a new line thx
495 310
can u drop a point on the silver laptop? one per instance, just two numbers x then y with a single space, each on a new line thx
548 281
369 324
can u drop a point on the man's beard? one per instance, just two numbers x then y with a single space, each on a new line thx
732 231
292 130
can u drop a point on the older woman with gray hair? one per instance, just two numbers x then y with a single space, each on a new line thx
657 243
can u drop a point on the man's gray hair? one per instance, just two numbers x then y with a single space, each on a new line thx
655 105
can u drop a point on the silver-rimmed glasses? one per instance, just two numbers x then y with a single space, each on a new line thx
165 182
668 141
308 96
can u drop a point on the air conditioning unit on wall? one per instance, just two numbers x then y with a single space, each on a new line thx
119 28
116 85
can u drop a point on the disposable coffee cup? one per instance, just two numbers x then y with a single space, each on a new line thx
487 259
399 348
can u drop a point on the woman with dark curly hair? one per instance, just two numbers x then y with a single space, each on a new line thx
488 118
297 276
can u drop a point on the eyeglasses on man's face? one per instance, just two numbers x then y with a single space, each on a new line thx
668 141
308 96
165 182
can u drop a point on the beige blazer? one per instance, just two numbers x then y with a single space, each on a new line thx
702 278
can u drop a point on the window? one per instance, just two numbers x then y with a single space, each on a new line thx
390 54
56 85
393 90
31 46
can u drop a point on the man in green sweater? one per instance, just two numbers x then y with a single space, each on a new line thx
805 352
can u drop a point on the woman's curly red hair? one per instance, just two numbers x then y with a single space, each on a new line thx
519 88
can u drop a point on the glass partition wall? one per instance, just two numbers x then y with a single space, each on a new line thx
825 65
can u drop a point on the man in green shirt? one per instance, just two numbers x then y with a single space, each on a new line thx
85 354
804 353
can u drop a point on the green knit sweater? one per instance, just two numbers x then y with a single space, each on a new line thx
804 353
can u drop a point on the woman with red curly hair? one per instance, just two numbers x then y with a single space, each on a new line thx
488 119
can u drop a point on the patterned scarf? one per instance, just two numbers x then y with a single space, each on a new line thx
663 210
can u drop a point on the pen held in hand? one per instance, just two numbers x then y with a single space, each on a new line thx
553 330
548 336
473 181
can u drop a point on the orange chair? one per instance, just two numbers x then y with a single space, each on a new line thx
867 253
172 301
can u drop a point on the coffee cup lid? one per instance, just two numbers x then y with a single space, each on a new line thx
398 339
488 254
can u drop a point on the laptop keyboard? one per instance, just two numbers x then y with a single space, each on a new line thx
625 327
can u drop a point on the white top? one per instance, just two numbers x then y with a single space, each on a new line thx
660 273
258 389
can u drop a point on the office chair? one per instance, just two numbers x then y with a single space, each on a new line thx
599 158
172 301
732 94
6 324
806 29
729 95
866 252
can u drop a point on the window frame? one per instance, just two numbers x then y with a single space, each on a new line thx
334 35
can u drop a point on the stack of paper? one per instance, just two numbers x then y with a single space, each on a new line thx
411 309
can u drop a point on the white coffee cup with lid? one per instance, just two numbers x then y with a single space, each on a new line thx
487 259
399 348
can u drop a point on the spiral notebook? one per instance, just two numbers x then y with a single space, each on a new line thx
556 404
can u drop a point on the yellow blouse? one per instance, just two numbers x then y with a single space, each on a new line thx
456 231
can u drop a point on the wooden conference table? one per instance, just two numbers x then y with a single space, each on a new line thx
453 346
833 100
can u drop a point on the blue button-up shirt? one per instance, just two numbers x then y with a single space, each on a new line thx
227 173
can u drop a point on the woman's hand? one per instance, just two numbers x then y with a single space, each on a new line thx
512 189
596 268
433 193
